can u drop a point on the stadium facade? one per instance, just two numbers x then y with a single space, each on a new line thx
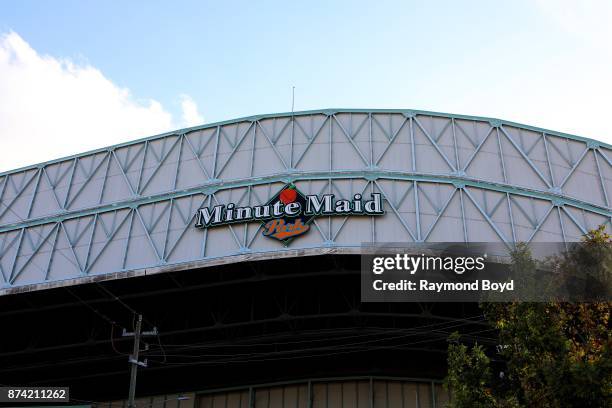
239 240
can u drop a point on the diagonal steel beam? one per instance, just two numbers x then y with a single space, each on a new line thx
525 157
89 265
434 144
16 274
487 218
533 222
439 215
197 156
391 140
21 233
7 206
346 217
34 193
311 140
87 179
183 231
71 247
350 139
231 155
511 218
160 163
57 201
148 234
396 212
123 173
466 134
274 149
4 250
74 166
478 147
605 157
544 218
214 197
546 150
562 227
574 167
560 153
52 253
571 217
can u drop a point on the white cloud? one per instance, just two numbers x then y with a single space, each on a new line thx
51 107
191 116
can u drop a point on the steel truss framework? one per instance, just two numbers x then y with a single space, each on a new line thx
444 177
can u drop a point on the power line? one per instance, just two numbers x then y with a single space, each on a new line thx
322 348
473 320
325 354
96 311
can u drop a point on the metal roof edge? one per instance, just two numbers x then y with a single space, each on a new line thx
327 111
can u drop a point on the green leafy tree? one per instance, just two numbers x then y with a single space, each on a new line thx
469 375
557 354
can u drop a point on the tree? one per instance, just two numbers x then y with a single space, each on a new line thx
556 354
469 375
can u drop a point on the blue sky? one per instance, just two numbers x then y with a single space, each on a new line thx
90 74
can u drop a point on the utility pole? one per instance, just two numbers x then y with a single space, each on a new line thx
133 359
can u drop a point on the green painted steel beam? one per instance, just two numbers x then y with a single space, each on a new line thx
287 177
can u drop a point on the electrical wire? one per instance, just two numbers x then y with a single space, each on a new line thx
335 353
322 348
473 319
96 311
255 357
112 342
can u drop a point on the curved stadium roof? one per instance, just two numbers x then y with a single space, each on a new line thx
128 209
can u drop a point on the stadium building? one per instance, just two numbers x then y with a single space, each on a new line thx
239 242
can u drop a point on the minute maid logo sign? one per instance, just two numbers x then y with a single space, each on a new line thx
289 213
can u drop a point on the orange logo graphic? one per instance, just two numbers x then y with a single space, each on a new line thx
281 230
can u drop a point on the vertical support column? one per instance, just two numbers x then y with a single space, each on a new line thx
433 395
601 180
371 140
465 235
511 218
455 144
417 210
309 394
562 227
412 144
214 169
